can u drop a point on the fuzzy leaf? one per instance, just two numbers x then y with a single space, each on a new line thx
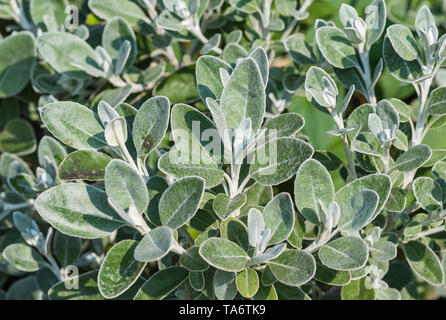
313 183
73 124
162 283
293 267
78 210
155 245
150 125
424 262
180 201
119 270
346 253
247 283
223 254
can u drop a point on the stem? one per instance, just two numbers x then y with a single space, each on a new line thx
427 233
350 162
422 113
314 246
367 76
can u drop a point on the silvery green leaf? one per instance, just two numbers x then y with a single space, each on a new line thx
209 172
345 253
299 50
247 283
377 72
180 201
439 170
169 21
403 42
23 257
297 234
106 113
286 125
55 9
397 200
125 9
367 143
261 58
428 193
347 14
208 76
196 280
336 48
315 82
78 210
233 52
401 142
358 119
73 124
425 26
278 160
125 186
356 290
162 283
119 270
383 250
330 276
224 205
23 185
375 124
388 114
192 261
212 43
123 57
244 95
223 254
78 62
276 25
279 217
359 211
413 158
155 245
17 58
269 254
312 183
18 137
150 125
249 6
234 36
116 132
293 267
224 285
29 230
437 101
183 119
380 183
403 70
50 148
84 165
424 262
235 230
256 226
375 19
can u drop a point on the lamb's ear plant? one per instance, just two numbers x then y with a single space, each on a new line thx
172 150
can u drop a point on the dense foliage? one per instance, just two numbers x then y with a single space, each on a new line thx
211 149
